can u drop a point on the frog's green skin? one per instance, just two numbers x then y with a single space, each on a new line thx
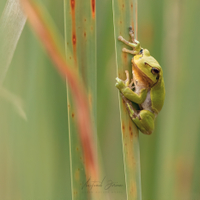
149 89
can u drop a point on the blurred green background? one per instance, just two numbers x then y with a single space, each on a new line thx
34 153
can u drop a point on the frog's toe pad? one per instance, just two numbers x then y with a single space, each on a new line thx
120 84
120 38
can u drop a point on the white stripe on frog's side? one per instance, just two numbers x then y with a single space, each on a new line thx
146 105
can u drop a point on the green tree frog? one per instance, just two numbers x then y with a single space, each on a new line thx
148 90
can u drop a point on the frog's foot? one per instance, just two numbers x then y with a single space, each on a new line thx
123 84
120 84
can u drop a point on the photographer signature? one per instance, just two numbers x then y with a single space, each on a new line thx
105 184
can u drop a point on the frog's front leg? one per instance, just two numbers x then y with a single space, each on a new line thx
143 119
129 94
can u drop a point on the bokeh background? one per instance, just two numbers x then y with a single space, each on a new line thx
34 153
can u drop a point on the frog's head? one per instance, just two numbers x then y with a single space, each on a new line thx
148 65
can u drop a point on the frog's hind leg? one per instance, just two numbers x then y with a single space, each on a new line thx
134 44
143 119
132 112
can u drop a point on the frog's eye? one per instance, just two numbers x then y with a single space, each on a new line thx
141 51
155 71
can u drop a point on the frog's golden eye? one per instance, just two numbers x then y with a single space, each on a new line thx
155 70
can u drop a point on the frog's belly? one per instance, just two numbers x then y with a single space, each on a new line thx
146 105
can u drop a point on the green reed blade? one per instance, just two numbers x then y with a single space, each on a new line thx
124 13
80 41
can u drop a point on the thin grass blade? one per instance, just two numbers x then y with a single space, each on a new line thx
11 25
124 16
